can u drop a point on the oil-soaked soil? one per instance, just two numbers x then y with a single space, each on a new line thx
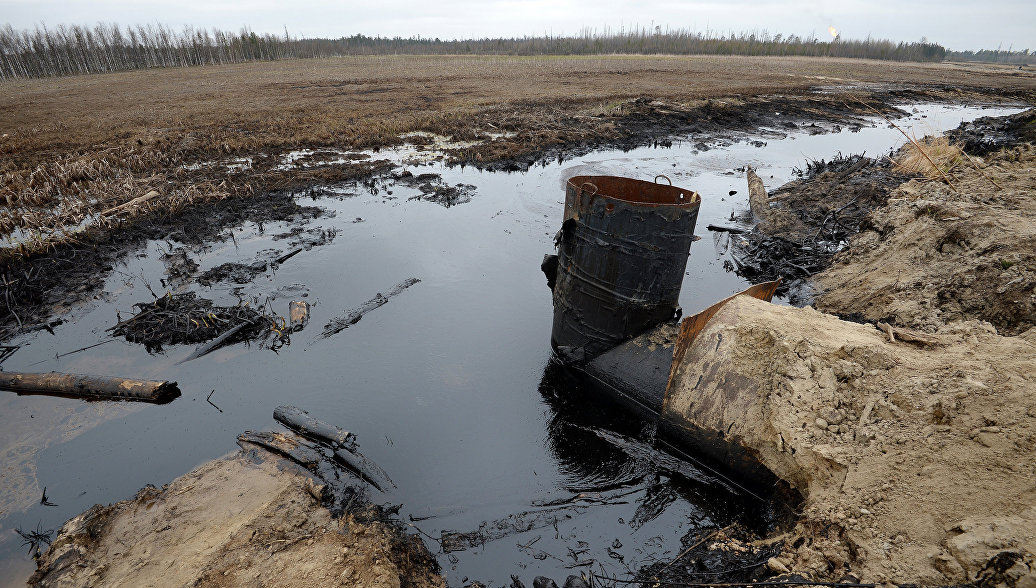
448 386
988 133
813 219
41 290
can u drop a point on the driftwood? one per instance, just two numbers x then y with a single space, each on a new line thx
908 335
363 468
758 200
340 441
302 423
132 203
339 324
289 255
93 387
287 446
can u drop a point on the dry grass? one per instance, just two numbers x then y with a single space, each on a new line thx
932 157
71 148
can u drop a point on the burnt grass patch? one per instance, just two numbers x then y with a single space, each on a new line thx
992 133
34 291
646 121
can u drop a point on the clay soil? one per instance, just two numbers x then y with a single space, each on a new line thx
914 460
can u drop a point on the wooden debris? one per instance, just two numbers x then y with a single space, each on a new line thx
91 387
289 255
339 324
345 453
301 422
218 341
132 203
908 335
758 200
723 229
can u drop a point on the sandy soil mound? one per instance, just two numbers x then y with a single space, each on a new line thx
245 520
915 460
935 254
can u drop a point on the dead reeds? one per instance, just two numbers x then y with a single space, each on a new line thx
936 158
933 157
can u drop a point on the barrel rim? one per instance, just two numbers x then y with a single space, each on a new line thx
638 192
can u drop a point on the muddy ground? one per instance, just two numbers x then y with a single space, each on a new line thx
252 519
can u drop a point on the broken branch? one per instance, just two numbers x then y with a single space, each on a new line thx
95 387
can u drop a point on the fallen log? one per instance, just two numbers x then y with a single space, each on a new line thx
302 423
908 335
289 255
132 203
345 453
758 199
91 387
364 469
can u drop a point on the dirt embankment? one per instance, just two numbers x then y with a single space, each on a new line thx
910 436
938 254
915 460
250 519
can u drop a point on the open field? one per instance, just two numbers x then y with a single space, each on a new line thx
366 100
76 147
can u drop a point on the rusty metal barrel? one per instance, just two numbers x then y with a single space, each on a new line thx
622 253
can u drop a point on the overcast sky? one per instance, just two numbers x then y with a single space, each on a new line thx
956 24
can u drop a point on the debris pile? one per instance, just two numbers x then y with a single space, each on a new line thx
434 189
992 133
810 220
185 318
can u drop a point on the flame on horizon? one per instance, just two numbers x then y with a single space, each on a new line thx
833 31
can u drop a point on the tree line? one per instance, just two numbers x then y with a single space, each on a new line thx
994 56
108 47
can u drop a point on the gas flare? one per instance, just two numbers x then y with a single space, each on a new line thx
833 31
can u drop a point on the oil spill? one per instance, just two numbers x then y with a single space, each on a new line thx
448 387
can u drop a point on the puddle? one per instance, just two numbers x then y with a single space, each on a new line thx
447 385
